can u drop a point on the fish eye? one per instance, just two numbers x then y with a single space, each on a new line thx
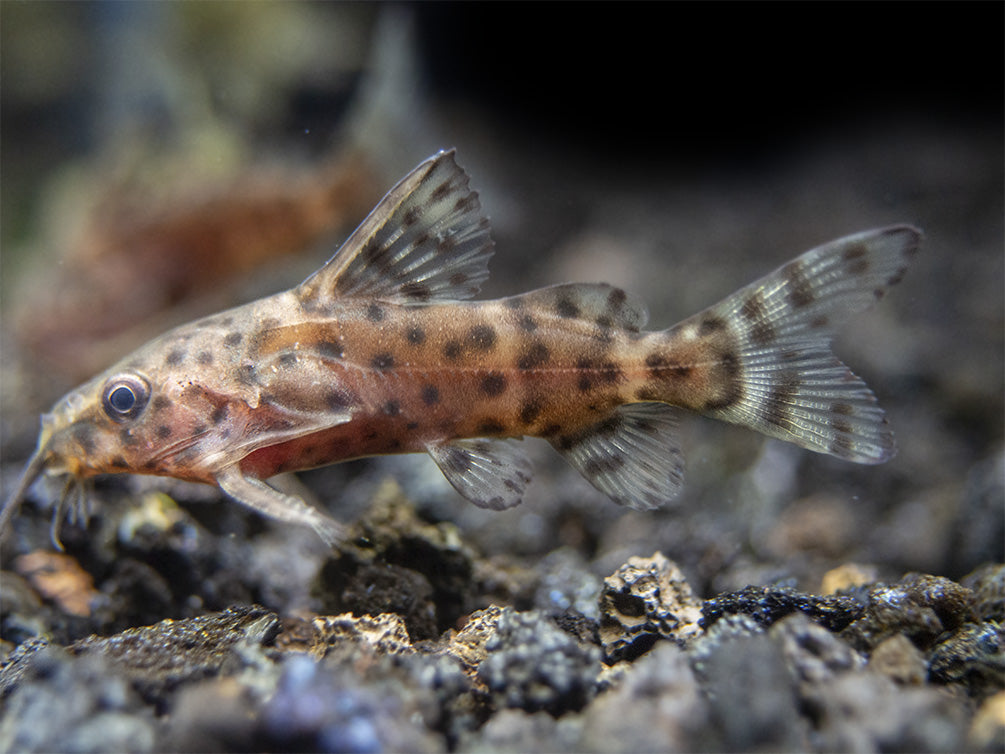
125 396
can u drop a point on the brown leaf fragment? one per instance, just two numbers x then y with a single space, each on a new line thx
58 577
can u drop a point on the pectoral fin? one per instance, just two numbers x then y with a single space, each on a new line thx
269 501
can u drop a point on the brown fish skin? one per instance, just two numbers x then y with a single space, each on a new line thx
377 353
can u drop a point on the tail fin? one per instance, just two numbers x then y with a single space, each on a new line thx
791 386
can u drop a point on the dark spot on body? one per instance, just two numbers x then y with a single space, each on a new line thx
175 357
729 389
219 413
649 393
204 358
163 432
843 409
339 399
412 426
609 426
514 302
550 430
566 307
604 322
711 325
430 395
233 339
375 313
482 337
288 359
730 364
527 323
160 402
416 336
269 323
535 356
566 442
452 350
247 375
656 361
530 411
800 290
329 349
490 427
493 384
819 322
392 408
459 278
382 361
118 462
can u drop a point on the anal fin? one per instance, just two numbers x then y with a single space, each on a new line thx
257 495
490 473
632 456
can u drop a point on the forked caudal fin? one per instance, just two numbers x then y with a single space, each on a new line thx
775 343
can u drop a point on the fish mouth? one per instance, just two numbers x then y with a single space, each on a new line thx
45 461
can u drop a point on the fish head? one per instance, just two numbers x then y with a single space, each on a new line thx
139 416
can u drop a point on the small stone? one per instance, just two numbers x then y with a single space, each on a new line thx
468 644
767 604
814 654
384 634
972 656
899 660
987 730
847 576
646 600
533 665
988 586
920 607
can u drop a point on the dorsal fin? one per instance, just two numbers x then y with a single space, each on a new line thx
427 240
597 302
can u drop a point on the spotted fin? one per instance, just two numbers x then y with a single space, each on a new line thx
600 303
269 501
789 384
632 456
427 240
490 473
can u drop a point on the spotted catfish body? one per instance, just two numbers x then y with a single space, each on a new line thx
379 352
